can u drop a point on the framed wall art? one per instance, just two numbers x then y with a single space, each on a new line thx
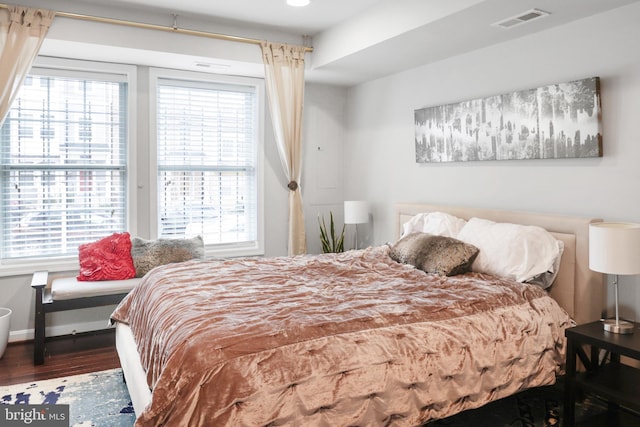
557 121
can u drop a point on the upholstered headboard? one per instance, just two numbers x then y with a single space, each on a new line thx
577 289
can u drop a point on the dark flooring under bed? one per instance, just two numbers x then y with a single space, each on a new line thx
540 407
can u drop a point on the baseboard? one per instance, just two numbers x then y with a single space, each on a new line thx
54 331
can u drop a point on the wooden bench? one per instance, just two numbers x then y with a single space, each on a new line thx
67 293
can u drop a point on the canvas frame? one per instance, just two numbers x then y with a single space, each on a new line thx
562 120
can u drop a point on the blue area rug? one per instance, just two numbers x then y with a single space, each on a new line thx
95 399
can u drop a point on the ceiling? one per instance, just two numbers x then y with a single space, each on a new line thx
310 20
356 41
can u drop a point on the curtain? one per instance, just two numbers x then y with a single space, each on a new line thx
284 72
22 31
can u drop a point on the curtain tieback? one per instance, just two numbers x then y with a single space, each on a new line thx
293 186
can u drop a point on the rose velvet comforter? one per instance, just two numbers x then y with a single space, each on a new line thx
351 339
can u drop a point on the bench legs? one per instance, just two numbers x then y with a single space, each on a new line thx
38 335
39 283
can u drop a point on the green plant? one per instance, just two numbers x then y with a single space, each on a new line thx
331 241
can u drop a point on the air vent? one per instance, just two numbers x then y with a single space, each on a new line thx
522 18
212 66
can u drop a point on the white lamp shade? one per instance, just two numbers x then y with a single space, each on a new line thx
614 247
356 212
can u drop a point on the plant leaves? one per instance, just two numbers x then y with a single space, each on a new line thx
330 240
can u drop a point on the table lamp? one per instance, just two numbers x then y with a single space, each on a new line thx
356 212
614 248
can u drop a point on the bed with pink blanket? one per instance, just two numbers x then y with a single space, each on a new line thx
351 339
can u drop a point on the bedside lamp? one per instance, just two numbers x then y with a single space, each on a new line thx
356 212
614 248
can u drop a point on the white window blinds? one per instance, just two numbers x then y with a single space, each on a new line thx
63 163
207 161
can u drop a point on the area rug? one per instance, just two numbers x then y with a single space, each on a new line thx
96 399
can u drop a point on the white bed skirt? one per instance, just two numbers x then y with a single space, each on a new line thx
134 374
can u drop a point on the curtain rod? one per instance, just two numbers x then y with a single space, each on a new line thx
173 29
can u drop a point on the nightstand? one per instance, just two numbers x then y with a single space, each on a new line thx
612 381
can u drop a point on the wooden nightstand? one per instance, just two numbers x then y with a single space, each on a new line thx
610 380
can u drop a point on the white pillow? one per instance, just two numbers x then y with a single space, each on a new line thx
518 252
437 223
545 280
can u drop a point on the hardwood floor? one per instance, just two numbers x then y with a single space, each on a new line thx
69 355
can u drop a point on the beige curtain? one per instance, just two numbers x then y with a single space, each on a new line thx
22 31
284 71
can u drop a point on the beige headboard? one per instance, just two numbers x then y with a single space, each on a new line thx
577 289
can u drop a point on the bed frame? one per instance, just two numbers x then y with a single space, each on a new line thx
577 289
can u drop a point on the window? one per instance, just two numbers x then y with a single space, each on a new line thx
207 160
69 174
63 163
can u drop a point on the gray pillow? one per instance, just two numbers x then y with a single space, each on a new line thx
441 255
148 254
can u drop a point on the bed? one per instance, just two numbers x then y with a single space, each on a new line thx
284 345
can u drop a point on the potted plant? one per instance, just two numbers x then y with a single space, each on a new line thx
331 240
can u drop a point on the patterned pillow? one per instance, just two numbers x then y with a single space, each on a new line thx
148 254
440 255
106 259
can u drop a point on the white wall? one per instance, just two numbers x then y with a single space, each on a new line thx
379 150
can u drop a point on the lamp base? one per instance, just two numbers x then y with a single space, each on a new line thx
620 327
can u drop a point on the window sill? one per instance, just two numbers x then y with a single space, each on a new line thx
234 251
27 267
53 265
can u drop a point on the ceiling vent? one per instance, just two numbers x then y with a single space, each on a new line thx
215 67
528 16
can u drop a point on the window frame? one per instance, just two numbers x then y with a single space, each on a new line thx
73 67
255 248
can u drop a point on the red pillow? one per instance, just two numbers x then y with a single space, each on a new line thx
107 259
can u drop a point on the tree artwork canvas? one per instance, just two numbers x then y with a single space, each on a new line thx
557 121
